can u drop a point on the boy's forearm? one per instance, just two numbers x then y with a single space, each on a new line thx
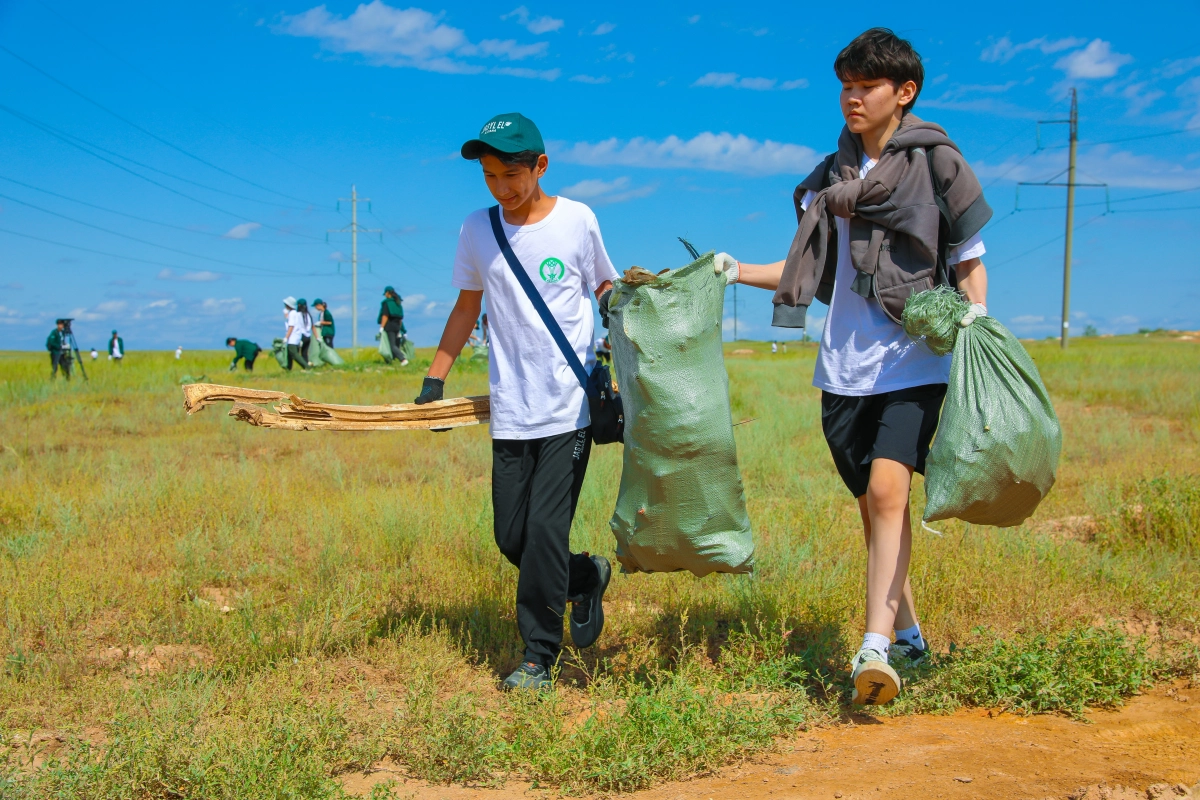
459 327
762 276
973 280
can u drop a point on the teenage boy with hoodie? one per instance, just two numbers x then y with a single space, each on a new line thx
895 211
541 438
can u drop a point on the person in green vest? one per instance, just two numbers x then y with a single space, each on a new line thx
323 321
60 350
391 323
116 348
243 349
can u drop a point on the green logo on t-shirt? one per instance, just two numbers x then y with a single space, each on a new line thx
552 270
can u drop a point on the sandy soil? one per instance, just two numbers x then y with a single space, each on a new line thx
1154 739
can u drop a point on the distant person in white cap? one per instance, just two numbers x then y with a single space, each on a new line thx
294 338
179 352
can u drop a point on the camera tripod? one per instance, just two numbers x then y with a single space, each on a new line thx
73 348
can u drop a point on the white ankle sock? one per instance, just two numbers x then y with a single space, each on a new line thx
876 641
911 635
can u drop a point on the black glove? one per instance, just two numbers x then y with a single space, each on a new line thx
604 298
431 389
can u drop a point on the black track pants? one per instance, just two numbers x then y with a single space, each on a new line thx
535 487
393 336
60 358
294 355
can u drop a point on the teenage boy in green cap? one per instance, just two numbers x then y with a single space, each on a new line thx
323 322
391 323
895 211
243 349
541 438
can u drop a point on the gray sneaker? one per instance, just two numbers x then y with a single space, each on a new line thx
528 676
587 612
875 682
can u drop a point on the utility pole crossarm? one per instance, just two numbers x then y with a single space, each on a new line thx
354 229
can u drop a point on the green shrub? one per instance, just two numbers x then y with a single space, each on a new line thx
1161 511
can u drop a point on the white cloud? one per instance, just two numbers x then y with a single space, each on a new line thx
613 54
719 152
212 306
338 255
1004 50
603 28
723 80
524 72
242 231
602 192
410 37
590 79
1180 66
1097 60
692 20
202 276
536 25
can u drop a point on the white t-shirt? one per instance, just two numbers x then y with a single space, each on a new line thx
862 351
295 321
534 392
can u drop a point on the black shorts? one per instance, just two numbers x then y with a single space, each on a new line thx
897 425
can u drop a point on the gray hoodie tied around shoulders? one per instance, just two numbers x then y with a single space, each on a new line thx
894 217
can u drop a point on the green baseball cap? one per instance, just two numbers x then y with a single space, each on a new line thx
318 302
508 133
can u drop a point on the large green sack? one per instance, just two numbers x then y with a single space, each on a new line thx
681 504
408 348
997 445
385 347
279 350
321 353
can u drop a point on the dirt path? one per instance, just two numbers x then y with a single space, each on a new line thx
971 754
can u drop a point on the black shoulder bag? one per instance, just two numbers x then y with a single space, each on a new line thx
607 410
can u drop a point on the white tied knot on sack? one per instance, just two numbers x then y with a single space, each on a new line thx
977 310
723 262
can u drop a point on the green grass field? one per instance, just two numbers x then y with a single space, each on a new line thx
194 608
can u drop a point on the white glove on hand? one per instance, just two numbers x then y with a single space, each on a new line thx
723 262
977 310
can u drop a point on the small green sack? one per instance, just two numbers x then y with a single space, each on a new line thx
279 350
681 504
479 352
385 348
408 348
997 446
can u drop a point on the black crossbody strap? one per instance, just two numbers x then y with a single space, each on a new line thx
539 304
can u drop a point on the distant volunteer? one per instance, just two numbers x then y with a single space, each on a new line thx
306 329
541 437
391 323
116 348
294 338
323 321
244 350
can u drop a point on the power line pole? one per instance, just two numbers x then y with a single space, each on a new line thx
1066 305
353 229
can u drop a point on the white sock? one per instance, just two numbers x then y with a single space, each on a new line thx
911 635
876 641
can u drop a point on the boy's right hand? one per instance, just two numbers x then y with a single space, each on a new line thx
431 390
727 264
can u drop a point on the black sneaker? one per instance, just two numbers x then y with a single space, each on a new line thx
906 654
528 676
587 612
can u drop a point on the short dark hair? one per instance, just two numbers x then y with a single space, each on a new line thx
525 158
880 54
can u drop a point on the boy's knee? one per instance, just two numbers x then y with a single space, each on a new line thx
887 493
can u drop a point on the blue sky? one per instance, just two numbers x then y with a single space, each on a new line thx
173 168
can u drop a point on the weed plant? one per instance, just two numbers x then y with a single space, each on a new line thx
194 608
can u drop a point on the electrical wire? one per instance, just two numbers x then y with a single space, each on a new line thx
136 239
145 219
152 135
147 261
398 239
67 138
1047 243
150 79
